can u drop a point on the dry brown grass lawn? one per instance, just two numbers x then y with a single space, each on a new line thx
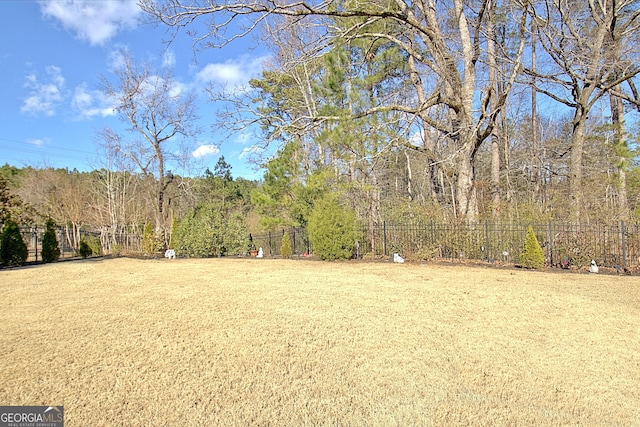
277 342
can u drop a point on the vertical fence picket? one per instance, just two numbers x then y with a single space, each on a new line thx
551 244
35 240
623 244
486 240
384 238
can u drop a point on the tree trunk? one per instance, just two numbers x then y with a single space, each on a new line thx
620 148
409 176
493 102
467 202
160 224
577 148
534 116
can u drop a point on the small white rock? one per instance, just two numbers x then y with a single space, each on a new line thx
397 258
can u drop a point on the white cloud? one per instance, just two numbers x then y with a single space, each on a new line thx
44 96
150 86
116 57
37 142
94 21
205 150
91 103
227 73
249 151
244 138
169 59
177 89
231 73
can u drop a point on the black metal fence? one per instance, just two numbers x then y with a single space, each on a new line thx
563 244
33 237
271 242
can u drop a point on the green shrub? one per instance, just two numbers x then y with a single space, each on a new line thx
286 246
174 228
116 250
13 250
206 232
95 245
85 248
423 253
234 234
332 229
532 255
50 247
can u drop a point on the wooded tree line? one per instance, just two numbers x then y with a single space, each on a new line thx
118 204
466 109
457 111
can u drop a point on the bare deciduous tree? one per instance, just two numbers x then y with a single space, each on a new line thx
582 64
157 111
61 195
446 55
116 196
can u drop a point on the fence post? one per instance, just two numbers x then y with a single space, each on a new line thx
384 238
486 240
551 243
35 239
624 248
433 234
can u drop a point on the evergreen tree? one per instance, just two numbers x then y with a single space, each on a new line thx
222 170
286 246
532 255
50 248
274 198
221 188
12 206
332 229
13 250
149 242
85 249
7 200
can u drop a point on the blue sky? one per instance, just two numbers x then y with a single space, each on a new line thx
53 55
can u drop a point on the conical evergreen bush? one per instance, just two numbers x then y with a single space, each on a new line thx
532 255
13 250
148 240
85 249
286 246
50 248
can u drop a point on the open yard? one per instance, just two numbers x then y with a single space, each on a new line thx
284 342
